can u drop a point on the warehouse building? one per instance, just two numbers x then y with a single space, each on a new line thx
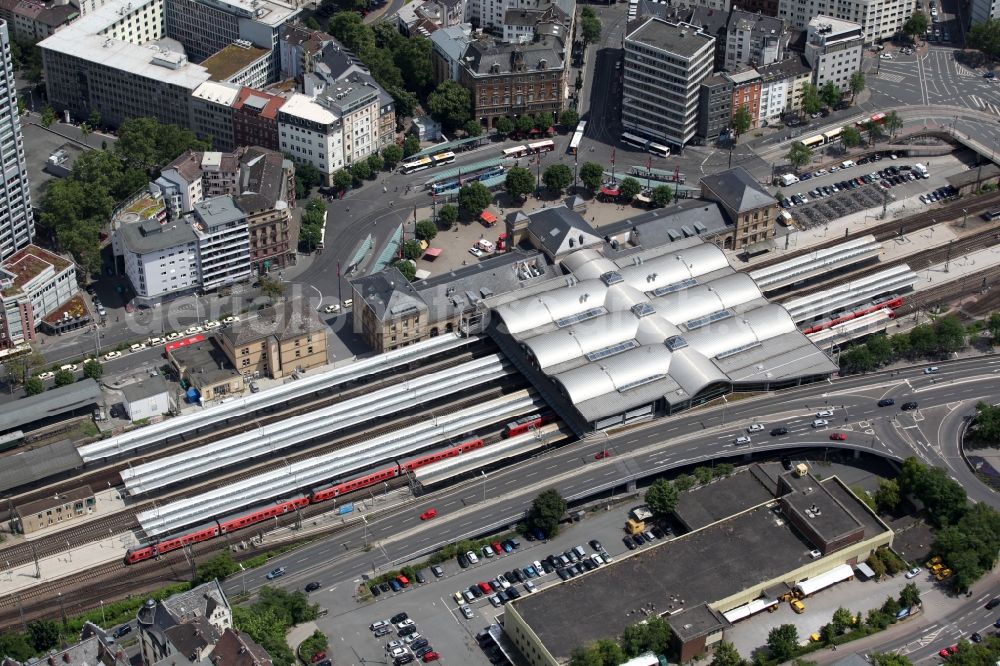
753 538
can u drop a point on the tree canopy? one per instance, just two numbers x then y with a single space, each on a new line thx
546 512
661 497
474 198
592 175
799 154
519 182
557 177
742 120
782 642
450 104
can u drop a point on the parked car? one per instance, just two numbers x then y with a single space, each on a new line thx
913 573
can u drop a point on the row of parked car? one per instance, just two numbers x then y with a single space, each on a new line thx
633 541
495 549
409 646
940 194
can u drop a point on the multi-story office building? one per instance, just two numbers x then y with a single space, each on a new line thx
33 20
240 63
207 26
715 106
665 64
33 283
212 113
833 50
754 39
879 19
17 224
160 260
982 10
255 119
223 242
310 133
514 79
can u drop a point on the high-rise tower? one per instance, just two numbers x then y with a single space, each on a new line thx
17 226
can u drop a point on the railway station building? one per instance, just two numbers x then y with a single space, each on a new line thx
55 510
750 539
285 338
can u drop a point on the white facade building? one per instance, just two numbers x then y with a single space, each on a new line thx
33 283
223 242
17 224
834 50
160 260
311 134
879 19
665 64
148 398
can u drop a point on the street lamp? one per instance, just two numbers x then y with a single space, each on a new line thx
484 485
104 620
365 521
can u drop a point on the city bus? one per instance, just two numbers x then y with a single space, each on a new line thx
322 237
658 149
634 140
574 144
541 146
833 135
427 162
814 141
877 119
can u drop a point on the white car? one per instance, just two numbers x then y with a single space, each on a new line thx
152 342
211 323
472 557
755 427
193 330
72 367
378 624
886 56
112 354
406 623
392 645
487 552
137 347
538 568
913 573
230 320
412 637
820 423
46 375
742 439
397 652
476 252
530 587
173 336
823 413
467 612
330 309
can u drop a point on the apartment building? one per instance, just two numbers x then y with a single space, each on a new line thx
17 222
491 15
878 19
223 242
515 79
449 46
715 106
241 63
834 50
310 133
754 39
180 184
34 20
781 88
159 260
665 63
255 119
266 193
746 93
185 625
285 338
212 113
33 283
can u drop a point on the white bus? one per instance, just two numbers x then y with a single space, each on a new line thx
541 146
416 165
634 140
657 149
322 237
574 144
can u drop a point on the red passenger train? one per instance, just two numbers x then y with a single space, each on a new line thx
890 303
230 524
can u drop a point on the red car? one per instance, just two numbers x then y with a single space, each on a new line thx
948 651
600 455
431 656
319 656
428 514
485 587
497 548
838 437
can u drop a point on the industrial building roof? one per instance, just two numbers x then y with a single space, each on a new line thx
667 323
56 401
25 467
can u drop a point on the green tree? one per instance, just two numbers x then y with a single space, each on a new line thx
342 179
450 104
316 643
842 619
993 325
414 58
411 145
146 144
271 288
610 652
703 474
94 119
306 178
858 359
684 482
725 654
313 24
850 136
412 250
557 177
887 496
43 635
392 154
524 124
830 94
662 195
782 642
375 163
590 29
889 659
916 25
799 155
92 369
985 38
34 386
629 188
473 128
48 116
592 175
408 270
64 378
874 131
811 101
309 237
543 121
891 606
474 198
661 497
909 596
426 230
586 656
950 334
519 182
219 568
448 215
569 118
742 120
547 511
504 125
880 348
893 123
361 171
856 84
15 645
986 425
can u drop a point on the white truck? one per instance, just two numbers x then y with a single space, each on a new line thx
921 170
789 179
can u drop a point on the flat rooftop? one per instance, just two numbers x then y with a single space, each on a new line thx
27 264
204 362
677 38
703 505
268 12
231 60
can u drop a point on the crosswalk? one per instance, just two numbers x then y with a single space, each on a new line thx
980 103
962 70
894 78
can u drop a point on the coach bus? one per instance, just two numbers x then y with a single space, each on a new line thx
658 149
633 140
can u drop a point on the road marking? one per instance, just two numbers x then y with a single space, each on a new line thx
893 78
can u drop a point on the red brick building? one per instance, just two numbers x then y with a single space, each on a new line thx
746 93
255 119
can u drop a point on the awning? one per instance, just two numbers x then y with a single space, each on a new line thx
488 217
610 191
433 252
177 344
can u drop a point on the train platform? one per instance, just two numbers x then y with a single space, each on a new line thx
961 267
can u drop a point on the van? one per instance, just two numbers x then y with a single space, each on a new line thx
847 164
789 179
785 218
348 302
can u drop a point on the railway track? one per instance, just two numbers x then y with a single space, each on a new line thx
110 476
893 229
951 290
